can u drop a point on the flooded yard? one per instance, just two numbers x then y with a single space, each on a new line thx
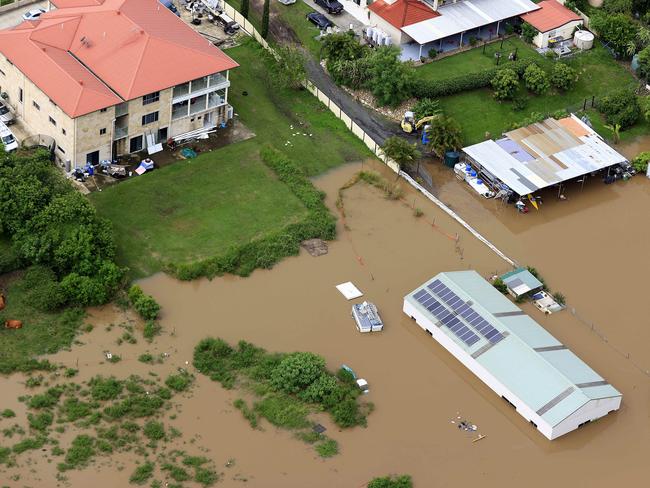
590 247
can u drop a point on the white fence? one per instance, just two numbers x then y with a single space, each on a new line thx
367 140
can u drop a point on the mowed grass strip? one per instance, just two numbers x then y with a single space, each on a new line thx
199 208
478 112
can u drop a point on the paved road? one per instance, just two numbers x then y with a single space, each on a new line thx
374 124
14 17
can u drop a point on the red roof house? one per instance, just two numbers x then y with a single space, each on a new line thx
403 12
551 15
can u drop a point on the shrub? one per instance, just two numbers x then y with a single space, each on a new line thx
536 79
45 400
105 388
205 476
179 382
403 481
177 473
617 30
519 103
154 430
80 452
151 329
40 421
346 413
644 62
500 285
528 32
212 358
74 409
426 107
433 53
444 134
297 371
640 163
563 77
320 389
28 444
142 473
43 289
505 83
147 307
621 107
391 80
8 413
146 358
283 411
327 448
559 298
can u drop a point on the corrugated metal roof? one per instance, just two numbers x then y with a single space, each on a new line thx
521 281
559 149
548 377
551 15
466 15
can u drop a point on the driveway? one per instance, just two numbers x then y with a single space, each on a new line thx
343 20
14 17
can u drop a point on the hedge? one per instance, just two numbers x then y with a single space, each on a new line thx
266 251
466 82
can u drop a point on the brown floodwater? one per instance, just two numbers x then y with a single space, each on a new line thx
591 247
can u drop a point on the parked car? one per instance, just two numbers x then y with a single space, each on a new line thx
319 20
287 2
7 137
170 5
33 14
229 25
6 116
330 6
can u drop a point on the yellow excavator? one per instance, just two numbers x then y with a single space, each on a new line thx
409 124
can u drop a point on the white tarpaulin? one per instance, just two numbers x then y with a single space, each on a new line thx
349 291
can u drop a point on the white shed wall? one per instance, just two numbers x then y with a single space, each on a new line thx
565 32
593 410
396 35
471 364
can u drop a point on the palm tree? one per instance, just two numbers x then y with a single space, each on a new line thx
616 132
444 134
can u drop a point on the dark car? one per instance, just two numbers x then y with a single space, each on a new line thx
319 20
330 6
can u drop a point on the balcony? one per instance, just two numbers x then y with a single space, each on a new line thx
120 132
121 109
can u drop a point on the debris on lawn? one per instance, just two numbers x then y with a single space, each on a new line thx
315 247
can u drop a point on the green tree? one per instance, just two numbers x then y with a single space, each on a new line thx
644 103
644 63
297 371
444 135
618 6
287 69
616 132
342 46
505 83
640 163
528 32
621 107
426 107
245 4
617 30
563 77
401 151
265 19
536 79
391 80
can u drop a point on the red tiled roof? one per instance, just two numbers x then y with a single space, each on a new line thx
550 15
100 52
403 12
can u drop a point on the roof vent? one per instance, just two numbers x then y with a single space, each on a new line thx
85 41
81 82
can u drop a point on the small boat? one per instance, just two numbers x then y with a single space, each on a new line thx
367 317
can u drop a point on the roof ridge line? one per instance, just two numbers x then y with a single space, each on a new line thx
70 53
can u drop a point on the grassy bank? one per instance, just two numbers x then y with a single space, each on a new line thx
478 112
195 210
42 332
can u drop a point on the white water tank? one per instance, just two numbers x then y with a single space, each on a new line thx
583 39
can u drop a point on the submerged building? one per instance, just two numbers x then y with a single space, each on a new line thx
516 357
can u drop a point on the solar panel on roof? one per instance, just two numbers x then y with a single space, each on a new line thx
459 307
447 318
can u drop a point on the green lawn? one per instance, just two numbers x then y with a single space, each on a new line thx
295 16
478 112
197 209
475 60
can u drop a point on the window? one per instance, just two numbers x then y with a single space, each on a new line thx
52 102
36 105
20 95
63 132
2 73
136 144
61 149
179 110
102 132
162 134
52 121
151 98
180 90
200 84
198 104
216 98
217 79
150 118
